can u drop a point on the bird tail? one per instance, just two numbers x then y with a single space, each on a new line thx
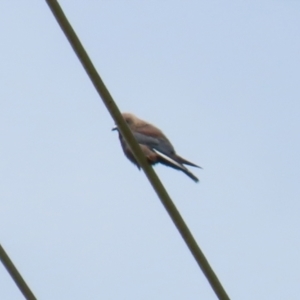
168 161
190 174
186 162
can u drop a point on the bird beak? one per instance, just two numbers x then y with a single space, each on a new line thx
114 128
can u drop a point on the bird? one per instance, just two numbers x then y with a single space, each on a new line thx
154 144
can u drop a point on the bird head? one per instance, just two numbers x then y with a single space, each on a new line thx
131 120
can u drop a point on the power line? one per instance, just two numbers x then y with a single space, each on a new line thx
16 276
125 131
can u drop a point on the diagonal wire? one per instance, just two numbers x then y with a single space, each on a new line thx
125 131
16 276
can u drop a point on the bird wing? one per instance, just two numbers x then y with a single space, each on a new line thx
169 161
153 138
162 145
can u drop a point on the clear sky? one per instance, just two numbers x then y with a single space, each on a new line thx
221 79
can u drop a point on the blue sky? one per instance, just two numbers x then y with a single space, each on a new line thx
221 79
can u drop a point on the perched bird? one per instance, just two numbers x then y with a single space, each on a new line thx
154 144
